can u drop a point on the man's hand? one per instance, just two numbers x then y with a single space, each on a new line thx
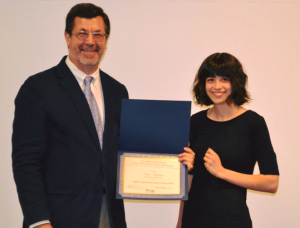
213 163
187 157
46 225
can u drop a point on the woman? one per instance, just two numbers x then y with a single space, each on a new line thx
227 140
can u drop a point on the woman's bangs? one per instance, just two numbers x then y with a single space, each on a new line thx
217 70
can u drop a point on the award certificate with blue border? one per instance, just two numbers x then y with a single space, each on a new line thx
152 134
151 176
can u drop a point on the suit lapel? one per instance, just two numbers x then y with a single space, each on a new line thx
109 106
70 84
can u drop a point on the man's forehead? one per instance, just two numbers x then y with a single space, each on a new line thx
93 20
82 23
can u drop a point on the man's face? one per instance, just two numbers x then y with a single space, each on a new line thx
86 54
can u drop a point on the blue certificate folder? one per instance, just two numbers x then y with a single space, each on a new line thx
153 128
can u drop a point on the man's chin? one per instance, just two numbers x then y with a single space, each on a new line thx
89 62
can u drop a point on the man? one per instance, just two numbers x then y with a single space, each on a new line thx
65 134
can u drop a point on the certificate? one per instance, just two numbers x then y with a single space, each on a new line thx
152 134
150 176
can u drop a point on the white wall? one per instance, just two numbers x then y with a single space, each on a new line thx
155 49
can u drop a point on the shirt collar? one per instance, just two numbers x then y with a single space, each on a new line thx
80 76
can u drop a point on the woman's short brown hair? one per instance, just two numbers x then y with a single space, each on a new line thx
225 65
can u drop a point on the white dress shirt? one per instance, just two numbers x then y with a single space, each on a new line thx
96 88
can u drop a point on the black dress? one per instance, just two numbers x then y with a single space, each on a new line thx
240 142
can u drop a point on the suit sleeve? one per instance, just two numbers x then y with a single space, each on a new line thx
124 93
29 141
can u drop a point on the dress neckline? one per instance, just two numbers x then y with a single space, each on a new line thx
225 120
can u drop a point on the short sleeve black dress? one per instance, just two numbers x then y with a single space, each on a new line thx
240 142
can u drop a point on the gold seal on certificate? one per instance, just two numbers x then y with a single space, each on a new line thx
151 176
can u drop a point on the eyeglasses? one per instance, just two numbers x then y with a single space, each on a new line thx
82 36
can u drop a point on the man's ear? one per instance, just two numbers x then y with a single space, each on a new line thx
68 38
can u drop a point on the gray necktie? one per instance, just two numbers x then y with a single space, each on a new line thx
93 106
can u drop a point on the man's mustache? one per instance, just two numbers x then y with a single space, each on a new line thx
87 48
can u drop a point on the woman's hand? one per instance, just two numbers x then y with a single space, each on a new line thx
187 157
260 182
213 163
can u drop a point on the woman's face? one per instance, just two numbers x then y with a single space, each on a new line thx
218 89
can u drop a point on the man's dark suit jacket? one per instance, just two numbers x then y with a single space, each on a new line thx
58 164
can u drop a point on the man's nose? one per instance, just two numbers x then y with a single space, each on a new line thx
90 39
